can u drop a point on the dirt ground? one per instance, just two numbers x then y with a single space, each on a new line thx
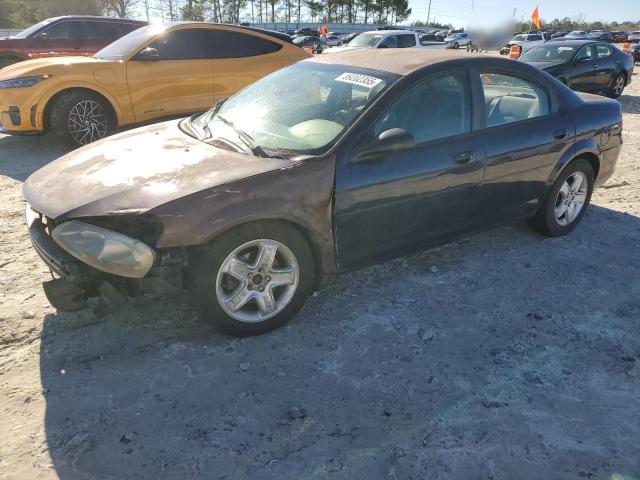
505 355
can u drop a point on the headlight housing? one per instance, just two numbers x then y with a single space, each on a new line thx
23 82
104 249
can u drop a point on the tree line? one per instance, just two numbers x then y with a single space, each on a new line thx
22 13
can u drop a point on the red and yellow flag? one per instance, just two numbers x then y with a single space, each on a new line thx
535 18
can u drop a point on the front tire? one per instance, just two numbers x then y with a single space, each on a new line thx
254 278
617 87
456 45
567 201
80 117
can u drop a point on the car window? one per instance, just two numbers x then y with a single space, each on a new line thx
586 52
190 44
63 30
230 44
603 51
102 30
389 42
510 99
436 108
405 41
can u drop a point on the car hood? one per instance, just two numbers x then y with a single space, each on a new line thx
48 65
346 48
136 171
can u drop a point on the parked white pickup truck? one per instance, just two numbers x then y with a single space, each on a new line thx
384 39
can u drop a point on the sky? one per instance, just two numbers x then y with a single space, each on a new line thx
458 12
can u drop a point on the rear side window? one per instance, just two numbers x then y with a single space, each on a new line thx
436 108
510 99
230 44
183 45
603 51
405 41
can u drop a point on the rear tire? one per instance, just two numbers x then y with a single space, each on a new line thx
617 87
80 117
240 291
557 215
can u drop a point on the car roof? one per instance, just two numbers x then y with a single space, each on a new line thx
572 43
401 61
97 17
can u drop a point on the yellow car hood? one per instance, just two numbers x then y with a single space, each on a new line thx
44 66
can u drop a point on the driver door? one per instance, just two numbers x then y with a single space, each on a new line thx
394 202
584 75
179 81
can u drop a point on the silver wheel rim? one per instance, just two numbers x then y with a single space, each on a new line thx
571 198
257 280
619 85
87 122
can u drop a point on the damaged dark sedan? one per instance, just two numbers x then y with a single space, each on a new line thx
327 165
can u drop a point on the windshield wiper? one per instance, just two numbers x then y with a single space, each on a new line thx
247 139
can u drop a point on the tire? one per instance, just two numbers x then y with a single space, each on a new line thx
617 86
545 220
80 117
456 45
239 250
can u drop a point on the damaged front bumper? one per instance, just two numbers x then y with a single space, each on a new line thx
74 281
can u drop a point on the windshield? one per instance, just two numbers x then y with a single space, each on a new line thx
33 28
549 54
131 42
303 108
365 40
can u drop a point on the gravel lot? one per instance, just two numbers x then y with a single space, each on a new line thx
505 355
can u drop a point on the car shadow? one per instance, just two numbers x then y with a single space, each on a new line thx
630 103
496 354
31 151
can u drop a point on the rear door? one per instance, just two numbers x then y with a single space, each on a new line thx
606 65
584 72
179 82
241 58
526 134
399 201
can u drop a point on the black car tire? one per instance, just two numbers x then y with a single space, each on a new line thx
65 108
544 221
455 45
613 93
207 262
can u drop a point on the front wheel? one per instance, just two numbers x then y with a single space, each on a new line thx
456 45
617 87
254 278
567 200
80 117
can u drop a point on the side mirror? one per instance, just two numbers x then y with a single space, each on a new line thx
390 141
43 37
148 54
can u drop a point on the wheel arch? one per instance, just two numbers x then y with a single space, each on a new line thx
46 114
587 149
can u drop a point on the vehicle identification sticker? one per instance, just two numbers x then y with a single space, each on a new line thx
359 79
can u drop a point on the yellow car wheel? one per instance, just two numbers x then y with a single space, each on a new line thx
81 117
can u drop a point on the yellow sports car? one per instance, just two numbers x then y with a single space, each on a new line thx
155 71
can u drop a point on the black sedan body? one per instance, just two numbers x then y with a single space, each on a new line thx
324 166
584 65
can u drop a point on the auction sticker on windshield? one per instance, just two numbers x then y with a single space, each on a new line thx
359 79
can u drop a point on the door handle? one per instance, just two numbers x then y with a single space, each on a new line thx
464 158
560 134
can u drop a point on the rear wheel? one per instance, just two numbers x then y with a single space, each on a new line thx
80 117
254 278
567 201
617 87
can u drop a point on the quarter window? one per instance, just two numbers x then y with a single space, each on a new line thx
510 99
436 108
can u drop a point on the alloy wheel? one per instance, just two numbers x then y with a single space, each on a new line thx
571 198
257 280
87 122
618 86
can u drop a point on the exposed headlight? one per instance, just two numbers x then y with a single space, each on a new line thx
104 249
23 82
